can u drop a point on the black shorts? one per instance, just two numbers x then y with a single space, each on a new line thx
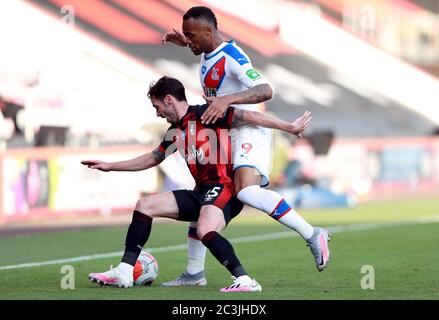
190 202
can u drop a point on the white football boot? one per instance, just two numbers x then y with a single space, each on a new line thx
243 284
112 277
318 244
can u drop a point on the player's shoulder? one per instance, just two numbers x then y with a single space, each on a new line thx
235 52
198 110
194 112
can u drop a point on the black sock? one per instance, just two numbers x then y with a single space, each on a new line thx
137 235
223 251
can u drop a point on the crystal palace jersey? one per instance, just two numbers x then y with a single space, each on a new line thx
227 70
206 148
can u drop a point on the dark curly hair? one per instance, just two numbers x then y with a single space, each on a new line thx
203 13
167 85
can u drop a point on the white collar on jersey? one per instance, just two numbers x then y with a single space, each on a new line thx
218 49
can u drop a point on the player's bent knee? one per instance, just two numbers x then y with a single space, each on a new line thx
193 224
202 231
141 204
211 219
216 225
144 205
140 216
246 177
204 228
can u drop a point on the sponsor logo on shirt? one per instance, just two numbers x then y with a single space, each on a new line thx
209 92
192 128
253 74
194 153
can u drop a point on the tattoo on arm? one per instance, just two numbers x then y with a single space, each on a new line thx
158 155
238 118
257 94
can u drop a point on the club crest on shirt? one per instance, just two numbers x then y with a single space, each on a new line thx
203 69
215 75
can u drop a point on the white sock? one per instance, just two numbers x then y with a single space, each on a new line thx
274 205
295 221
196 251
126 270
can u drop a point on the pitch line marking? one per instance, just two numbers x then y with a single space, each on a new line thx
270 236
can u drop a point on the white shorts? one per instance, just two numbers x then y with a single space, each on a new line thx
251 147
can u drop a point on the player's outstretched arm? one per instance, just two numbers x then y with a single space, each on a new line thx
142 162
259 93
241 117
219 105
174 37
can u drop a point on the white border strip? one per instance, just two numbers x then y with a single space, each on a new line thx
270 236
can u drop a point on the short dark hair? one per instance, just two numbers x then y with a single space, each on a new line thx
201 12
167 85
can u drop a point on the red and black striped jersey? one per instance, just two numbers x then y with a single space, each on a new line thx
206 148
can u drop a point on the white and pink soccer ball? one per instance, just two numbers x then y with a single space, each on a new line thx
146 269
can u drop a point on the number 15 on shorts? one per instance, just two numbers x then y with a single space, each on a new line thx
212 194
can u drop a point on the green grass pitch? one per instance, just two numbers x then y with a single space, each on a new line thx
402 246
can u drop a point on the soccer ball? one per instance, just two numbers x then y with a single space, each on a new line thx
146 269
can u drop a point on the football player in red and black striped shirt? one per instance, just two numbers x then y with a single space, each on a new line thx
206 149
